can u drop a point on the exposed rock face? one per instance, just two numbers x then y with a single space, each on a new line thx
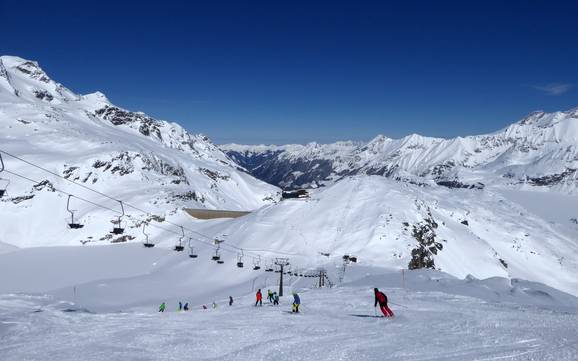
423 255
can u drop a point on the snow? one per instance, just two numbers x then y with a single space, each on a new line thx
432 323
154 165
366 216
504 284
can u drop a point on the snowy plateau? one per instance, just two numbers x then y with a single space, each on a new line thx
474 240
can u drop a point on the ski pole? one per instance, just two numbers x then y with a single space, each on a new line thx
397 304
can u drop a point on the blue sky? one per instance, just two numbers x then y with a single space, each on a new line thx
299 71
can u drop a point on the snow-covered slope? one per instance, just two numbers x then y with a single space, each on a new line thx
398 225
155 165
437 318
539 151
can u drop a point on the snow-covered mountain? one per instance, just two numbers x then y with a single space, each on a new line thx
155 165
160 168
539 151
396 225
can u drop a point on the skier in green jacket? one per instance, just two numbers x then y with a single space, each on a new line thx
162 307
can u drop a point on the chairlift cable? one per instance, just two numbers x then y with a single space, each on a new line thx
235 248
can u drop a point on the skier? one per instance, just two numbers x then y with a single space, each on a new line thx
214 304
381 298
270 296
230 300
180 306
259 298
204 307
296 302
162 307
186 307
275 299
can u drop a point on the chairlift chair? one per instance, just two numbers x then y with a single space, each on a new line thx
118 229
217 256
4 187
240 260
269 268
257 264
179 247
72 225
6 181
192 253
147 243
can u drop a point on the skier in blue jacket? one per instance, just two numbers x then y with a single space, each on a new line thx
296 302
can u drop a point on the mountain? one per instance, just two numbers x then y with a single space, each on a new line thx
154 165
396 225
539 151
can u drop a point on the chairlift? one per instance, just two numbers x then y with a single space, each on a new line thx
147 243
179 247
217 256
257 263
72 225
4 187
118 229
240 260
269 268
5 181
192 253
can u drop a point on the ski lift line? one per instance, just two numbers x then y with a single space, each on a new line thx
119 212
195 239
121 202
118 200
89 188
102 206
106 208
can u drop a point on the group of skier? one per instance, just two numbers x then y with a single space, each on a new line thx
273 297
185 307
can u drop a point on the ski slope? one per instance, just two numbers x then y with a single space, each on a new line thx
437 318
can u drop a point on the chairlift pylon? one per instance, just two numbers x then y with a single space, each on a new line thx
147 243
179 247
118 229
72 225
6 181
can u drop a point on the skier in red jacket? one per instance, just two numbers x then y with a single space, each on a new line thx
259 298
381 298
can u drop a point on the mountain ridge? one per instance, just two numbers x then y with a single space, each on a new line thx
540 149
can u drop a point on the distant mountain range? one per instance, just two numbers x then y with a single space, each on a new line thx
539 151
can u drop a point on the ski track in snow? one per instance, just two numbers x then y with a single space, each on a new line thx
434 326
